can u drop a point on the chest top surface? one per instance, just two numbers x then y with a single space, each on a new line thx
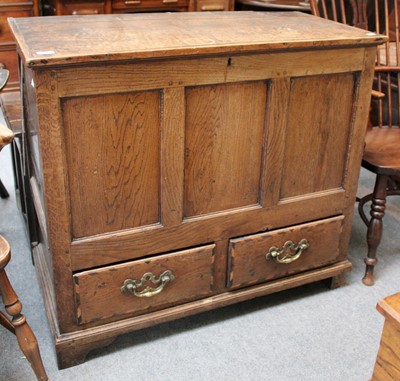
47 41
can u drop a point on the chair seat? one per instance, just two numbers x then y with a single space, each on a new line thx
382 151
5 252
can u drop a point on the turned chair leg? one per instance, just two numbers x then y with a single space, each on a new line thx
26 339
375 227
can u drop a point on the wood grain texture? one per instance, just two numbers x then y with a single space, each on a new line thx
387 366
99 296
54 194
223 147
389 307
160 147
381 151
72 348
361 109
172 156
127 245
120 37
118 156
247 256
273 160
315 144
30 124
220 265
383 110
139 76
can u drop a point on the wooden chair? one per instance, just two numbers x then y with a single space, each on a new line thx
17 325
382 143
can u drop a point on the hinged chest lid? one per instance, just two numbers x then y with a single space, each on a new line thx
45 41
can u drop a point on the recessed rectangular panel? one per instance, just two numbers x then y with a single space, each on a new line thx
113 154
317 134
223 146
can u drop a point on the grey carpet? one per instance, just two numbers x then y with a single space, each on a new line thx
309 333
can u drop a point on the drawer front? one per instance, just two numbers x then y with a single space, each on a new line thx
73 7
84 8
212 5
5 32
145 285
138 5
267 256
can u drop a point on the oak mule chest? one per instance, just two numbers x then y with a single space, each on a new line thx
183 162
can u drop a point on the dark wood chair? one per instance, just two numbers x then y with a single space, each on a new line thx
382 143
17 324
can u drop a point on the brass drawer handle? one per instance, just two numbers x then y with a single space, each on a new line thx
170 1
132 2
289 251
131 285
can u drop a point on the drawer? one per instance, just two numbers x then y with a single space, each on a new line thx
279 253
139 5
84 8
5 31
73 7
143 286
212 5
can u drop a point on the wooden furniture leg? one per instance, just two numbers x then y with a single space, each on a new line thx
26 338
337 281
375 227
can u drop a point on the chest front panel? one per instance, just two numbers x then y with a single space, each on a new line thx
185 152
